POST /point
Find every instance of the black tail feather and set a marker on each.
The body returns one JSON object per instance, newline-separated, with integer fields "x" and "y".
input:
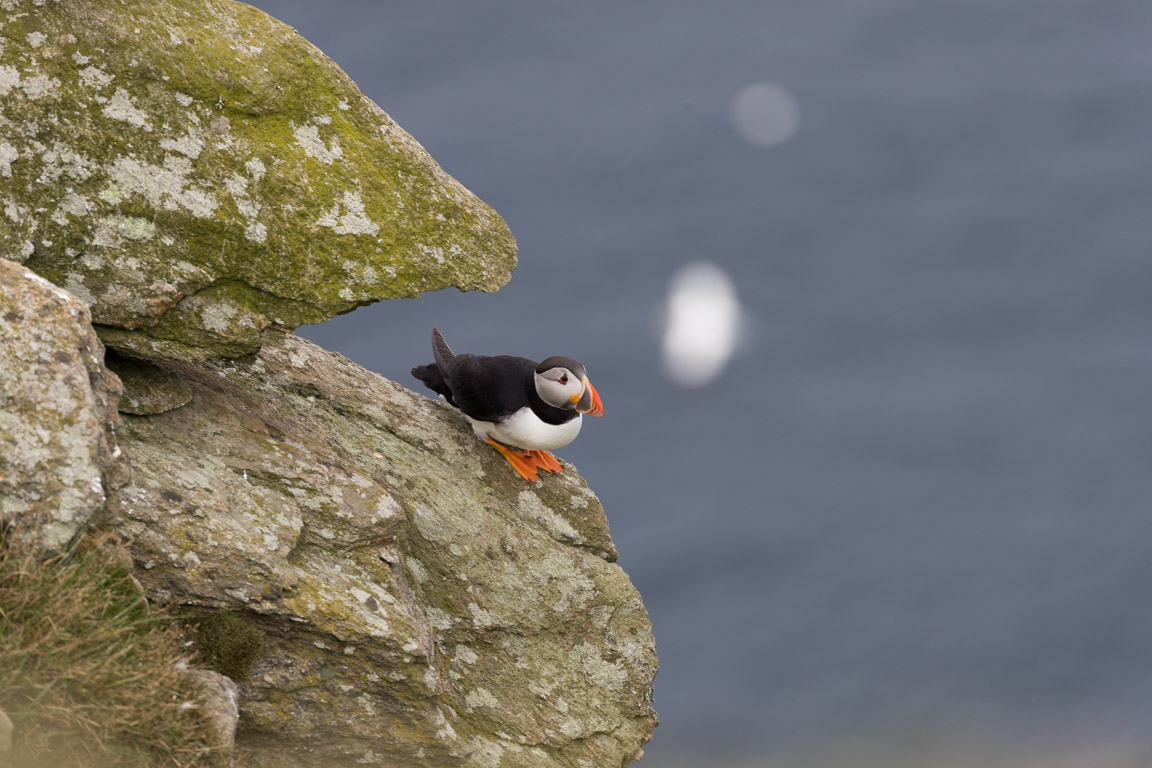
{"x": 443, "y": 353}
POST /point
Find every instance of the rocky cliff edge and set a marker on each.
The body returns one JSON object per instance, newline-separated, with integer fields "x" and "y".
{"x": 201, "y": 180}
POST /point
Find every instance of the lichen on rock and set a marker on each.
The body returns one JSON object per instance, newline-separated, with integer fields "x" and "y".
{"x": 419, "y": 603}
{"x": 59, "y": 452}
{"x": 196, "y": 173}
{"x": 196, "y": 180}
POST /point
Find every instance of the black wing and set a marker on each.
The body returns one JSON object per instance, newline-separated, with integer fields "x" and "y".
{"x": 490, "y": 388}
{"x": 485, "y": 388}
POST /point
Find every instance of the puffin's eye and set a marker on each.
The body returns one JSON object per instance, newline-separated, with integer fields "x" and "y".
{"x": 564, "y": 379}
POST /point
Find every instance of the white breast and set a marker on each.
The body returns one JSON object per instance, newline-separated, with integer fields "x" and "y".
{"x": 524, "y": 429}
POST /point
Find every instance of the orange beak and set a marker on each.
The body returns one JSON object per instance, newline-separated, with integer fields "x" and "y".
{"x": 590, "y": 401}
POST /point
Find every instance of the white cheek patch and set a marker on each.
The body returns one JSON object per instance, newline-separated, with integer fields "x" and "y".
{"x": 552, "y": 391}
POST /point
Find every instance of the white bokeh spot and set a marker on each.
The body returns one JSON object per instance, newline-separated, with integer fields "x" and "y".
{"x": 765, "y": 115}
{"x": 701, "y": 326}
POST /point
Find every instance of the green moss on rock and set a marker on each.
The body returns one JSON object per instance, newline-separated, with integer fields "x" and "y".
{"x": 228, "y": 644}
{"x": 159, "y": 157}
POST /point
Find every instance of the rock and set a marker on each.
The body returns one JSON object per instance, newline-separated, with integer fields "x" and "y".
{"x": 197, "y": 173}
{"x": 5, "y": 737}
{"x": 219, "y": 697}
{"x": 420, "y": 604}
{"x": 385, "y": 588}
{"x": 148, "y": 389}
{"x": 59, "y": 453}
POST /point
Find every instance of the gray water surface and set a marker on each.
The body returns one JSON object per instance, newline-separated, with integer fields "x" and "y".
{"x": 914, "y": 514}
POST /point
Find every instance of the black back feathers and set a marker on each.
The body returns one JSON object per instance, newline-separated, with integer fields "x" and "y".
{"x": 485, "y": 388}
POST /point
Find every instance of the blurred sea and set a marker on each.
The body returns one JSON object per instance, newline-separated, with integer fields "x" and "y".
{"x": 911, "y": 523}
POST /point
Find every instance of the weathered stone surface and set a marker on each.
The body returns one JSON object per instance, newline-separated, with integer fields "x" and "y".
{"x": 5, "y": 737}
{"x": 196, "y": 172}
{"x": 421, "y": 604}
{"x": 148, "y": 389}
{"x": 58, "y": 420}
{"x": 203, "y": 179}
{"x": 219, "y": 696}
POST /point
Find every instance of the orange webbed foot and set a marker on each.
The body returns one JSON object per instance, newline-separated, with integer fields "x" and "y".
{"x": 524, "y": 463}
{"x": 546, "y": 461}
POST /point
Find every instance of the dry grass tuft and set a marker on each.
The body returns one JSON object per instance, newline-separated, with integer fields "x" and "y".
{"x": 87, "y": 670}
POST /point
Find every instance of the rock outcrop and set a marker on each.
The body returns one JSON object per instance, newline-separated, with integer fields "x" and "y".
{"x": 219, "y": 697}
{"x": 59, "y": 454}
{"x": 196, "y": 172}
{"x": 204, "y": 181}
{"x": 421, "y": 604}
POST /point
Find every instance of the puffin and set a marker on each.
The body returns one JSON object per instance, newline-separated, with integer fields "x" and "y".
{"x": 522, "y": 408}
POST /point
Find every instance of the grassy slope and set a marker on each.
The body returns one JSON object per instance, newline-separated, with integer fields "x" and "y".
{"x": 87, "y": 671}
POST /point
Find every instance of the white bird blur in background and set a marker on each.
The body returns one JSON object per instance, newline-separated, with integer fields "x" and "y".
{"x": 702, "y": 324}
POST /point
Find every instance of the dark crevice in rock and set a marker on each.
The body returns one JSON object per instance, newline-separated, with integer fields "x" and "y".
{"x": 149, "y": 389}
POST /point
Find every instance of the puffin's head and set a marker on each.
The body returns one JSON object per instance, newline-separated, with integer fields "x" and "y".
{"x": 563, "y": 383}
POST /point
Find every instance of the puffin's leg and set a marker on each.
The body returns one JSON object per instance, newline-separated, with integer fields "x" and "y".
{"x": 547, "y": 461}
{"x": 521, "y": 463}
